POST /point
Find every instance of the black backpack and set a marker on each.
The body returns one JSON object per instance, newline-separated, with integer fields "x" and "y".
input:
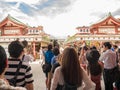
{"x": 66, "y": 86}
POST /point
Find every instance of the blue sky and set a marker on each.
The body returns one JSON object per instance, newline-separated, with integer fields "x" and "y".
{"x": 59, "y": 17}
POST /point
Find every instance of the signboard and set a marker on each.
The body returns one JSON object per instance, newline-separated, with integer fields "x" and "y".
{"x": 107, "y": 30}
{"x": 11, "y": 31}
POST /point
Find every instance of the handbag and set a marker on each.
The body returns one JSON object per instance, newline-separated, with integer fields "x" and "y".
{"x": 46, "y": 67}
{"x": 66, "y": 86}
{"x": 13, "y": 80}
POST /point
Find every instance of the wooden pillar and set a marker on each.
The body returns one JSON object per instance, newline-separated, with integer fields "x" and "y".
{"x": 116, "y": 29}
{"x": 34, "y": 53}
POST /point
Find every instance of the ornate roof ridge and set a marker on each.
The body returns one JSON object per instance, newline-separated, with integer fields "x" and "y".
{"x": 16, "y": 20}
{"x": 105, "y": 18}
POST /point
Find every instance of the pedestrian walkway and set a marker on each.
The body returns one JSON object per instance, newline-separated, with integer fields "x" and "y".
{"x": 38, "y": 75}
{"x": 36, "y": 62}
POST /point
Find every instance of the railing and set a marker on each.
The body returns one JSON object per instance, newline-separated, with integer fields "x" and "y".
{"x": 21, "y": 38}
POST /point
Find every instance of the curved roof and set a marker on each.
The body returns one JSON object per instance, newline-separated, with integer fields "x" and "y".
{"x": 13, "y": 20}
{"x": 105, "y": 19}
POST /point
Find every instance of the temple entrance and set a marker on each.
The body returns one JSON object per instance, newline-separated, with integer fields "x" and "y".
{"x": 35, "y": 48}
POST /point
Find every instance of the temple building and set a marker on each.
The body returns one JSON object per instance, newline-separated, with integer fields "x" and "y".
{"x": 107, "y": 29}
{"x": 12, "y": 29}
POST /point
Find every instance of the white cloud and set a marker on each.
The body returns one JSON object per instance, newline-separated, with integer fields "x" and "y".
{"x": 25, "y": 1}
{"x": 60, "y": 20}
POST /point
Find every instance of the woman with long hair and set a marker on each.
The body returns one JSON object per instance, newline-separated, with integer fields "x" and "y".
{"x": 70, "y": 72}
{"x": 94, "y": 67}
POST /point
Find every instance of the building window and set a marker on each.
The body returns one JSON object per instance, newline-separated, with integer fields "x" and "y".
{"x": 30, "y": 31}
{"x": 80, "y": 30}
{"x": 33, "y": 31}
{"x": 36, "y": 30}
{"x": 86, "y": 30}
{"x": 83, "y": 30}
{"x": 118, "y": 28}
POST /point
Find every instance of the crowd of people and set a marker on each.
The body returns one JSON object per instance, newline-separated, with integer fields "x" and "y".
{"x": 71, "y": 69}
{"x": 84, "y": 67}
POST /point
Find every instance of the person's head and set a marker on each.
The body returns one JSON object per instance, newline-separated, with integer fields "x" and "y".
{"x": 107, "y": 45}
{"x": 56, "y": 51}
{"x": 115, "y": 47}
{"x": 15, "y": 49}
{"x": 93, "y": 47}
{"x": 3, "y": 60}
{"x": 71, "y": 69}
{"x": 50, "y": 47}
{"x": 25, "y": 43}
{"x": 85, "y": 48}
{"x": 93, "y": 56}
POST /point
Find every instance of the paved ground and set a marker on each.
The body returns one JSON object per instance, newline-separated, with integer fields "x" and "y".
{"x": 39, "y": 77}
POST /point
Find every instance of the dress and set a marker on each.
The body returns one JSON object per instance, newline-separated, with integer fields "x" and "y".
{"x": 96, "y": 80}
{"x": 58, "y": 79}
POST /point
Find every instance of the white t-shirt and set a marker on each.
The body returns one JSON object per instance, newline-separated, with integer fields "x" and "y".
{"x": 58, "y": 79}
{"x": 28, "y": 58}
{"x": 109, "y": 59}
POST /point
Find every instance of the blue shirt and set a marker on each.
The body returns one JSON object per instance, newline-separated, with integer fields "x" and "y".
{"x": 53, "y": 60}
{"x": 48, "y": 56}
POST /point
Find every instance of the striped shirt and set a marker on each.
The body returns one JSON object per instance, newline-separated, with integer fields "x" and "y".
{"x": 24, "y": 76}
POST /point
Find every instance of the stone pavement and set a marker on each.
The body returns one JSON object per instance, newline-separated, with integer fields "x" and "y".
{"x": 39, "y": 76}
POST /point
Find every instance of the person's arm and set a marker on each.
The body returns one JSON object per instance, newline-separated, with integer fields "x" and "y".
{"x": 101, "y": 59}
{"x": 6, "y": 86}
{"x": 29, "y": 86}
{"x": 81, "y": 56}
{"x": 89, "y": 85}
{"x": 101, "y": 64}
{"x": 52, "y": 60}
{"x": 55, "y": 79}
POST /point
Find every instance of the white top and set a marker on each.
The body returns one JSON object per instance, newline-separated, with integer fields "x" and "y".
{"x": 58, "y": 79}
{"x": 5, "y": 86}
{"x": 109, "y": 59}
{"x": 28, "y": 58}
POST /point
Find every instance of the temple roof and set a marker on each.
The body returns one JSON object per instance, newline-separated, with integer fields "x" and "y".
{"x": 13, "y": 20}
{"x": 105, "y": 19}
{"x": 82, "y": 27}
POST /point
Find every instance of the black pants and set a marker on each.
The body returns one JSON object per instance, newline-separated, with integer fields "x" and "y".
{"x": 108, "y": 75}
